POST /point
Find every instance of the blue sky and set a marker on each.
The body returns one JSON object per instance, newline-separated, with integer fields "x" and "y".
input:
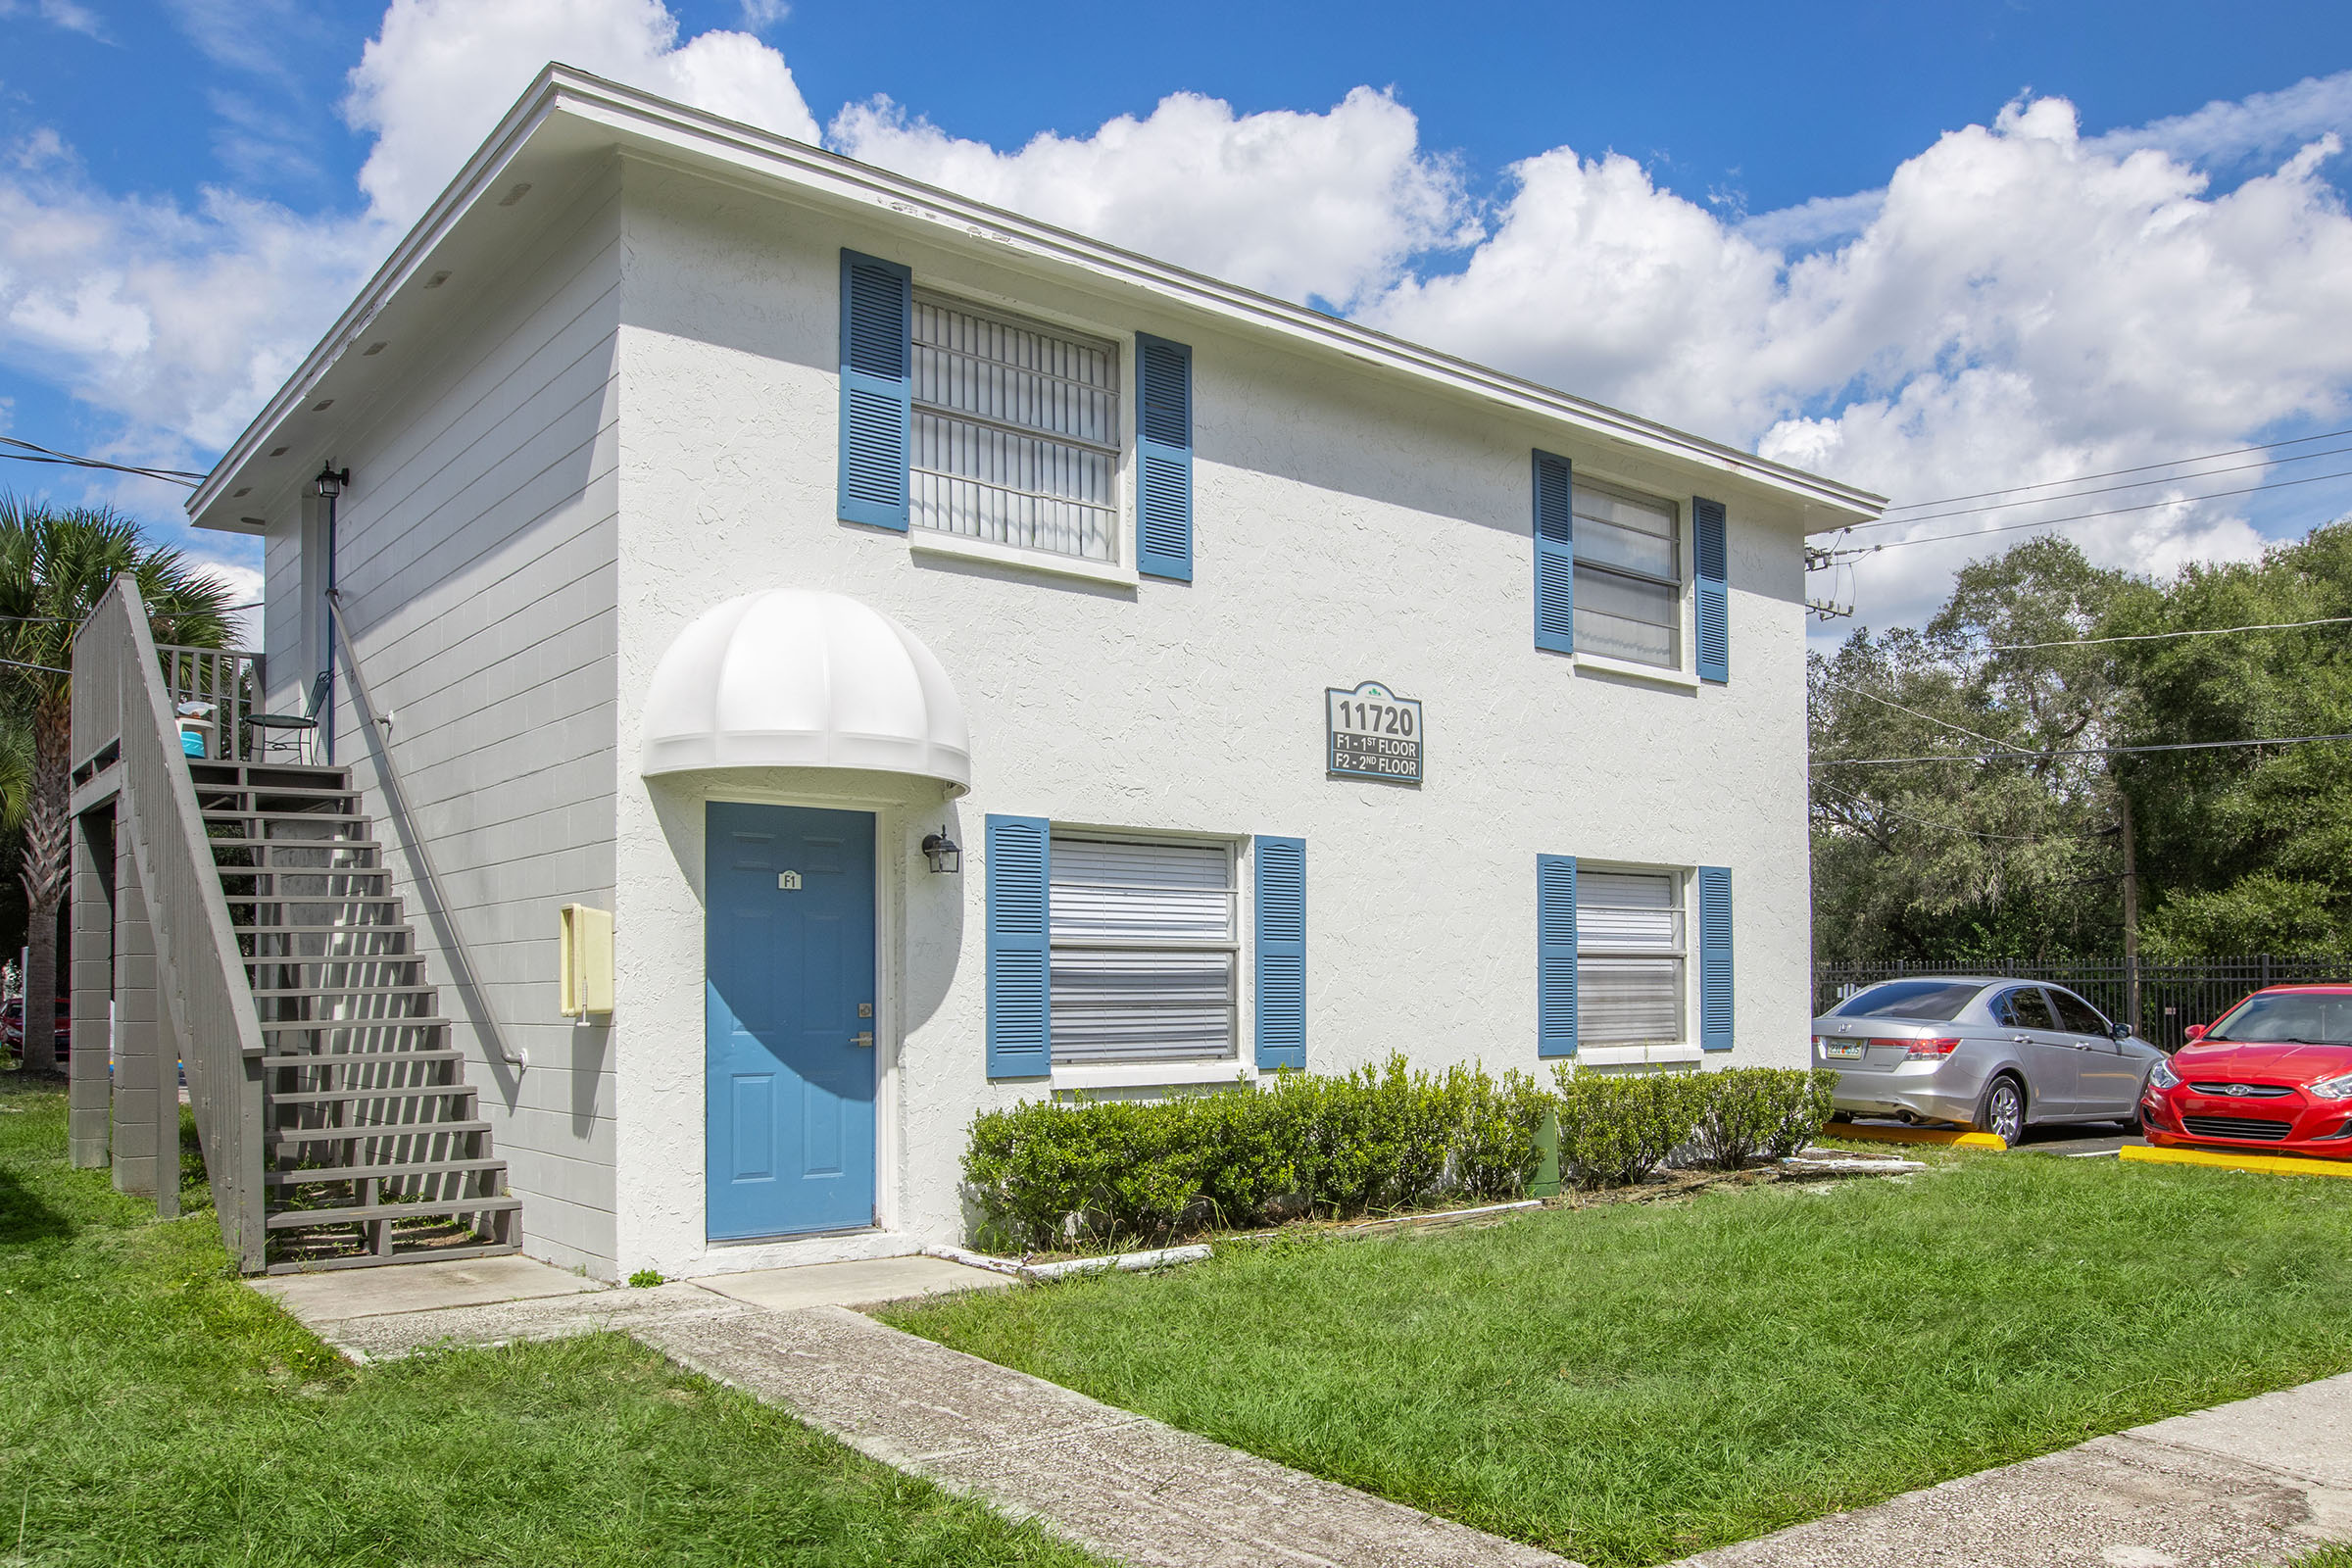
{"x": 210, "y": 143}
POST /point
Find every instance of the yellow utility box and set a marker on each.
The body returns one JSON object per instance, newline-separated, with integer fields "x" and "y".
{"x": 586, "y": 978}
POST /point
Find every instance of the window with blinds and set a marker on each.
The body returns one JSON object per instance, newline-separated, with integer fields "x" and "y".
{"x": 1144, "y": 951}
{"x": 1628, "y": 957}
{"x": 1629, "y": 577}
{"x": 1016, "y": 432}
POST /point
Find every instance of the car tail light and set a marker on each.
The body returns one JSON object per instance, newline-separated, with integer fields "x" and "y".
{"x": 1923, "y": 1049}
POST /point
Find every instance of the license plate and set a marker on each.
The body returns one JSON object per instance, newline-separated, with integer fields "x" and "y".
{"x": 1842, "y": 1049}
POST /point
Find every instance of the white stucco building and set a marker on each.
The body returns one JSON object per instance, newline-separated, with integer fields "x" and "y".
{"x": 725, "y": 519}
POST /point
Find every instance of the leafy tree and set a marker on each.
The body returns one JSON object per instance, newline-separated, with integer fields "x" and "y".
{"x": 55, "y": 565}
{"x": 2245, "y": 849}
{"x": 1971, "y": 859}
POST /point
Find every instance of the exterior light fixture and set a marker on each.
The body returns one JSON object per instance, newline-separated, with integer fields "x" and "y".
{"x": 941, "y": 850}
{"x": 330, "y": 483}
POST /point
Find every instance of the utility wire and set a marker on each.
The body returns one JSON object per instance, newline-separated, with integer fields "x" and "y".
{"x": 2005, "y": 838}
{"x": 2153, "y": 636}
{"x": 1835, "y": 553}
{"x": 2111, "y": 473}
{"x": 1844, "y": 686}
{"x": 2137, "y": 484}
{"x": 2087, "y": 751}
{"x": 40, "y": 454}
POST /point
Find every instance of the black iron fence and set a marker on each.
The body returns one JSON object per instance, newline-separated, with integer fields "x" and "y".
{"x": 2171, "y": 995}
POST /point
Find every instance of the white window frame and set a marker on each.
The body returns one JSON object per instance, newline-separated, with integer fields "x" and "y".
{"x": 1121, "y": 570}
{"x": 1685, "y": 670}
{"x": 1161, "y": 1071}
{"x": 1684, "y": 1046}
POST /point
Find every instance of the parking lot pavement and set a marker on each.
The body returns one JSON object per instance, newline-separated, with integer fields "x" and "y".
{"x": 2097, "y": 1138}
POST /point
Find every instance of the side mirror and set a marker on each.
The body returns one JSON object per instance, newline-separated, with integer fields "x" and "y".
{"x": 2119, "y": 1030}
{"x": 2195, "y": 1032}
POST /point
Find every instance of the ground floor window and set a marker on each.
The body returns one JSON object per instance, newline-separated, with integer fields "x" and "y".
{"x": 1628, "y": 957}
{"x": 1144, "y": 951}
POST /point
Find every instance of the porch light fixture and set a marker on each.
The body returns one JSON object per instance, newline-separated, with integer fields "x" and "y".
{"x": 330, "y": 483}
{"x": 941, "y": 850}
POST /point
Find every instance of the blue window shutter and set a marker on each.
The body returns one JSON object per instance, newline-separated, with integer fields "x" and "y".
{"x": 1714, "y": 592}
{"x": 1555, "y": 560}
{"x": 1280, "y": 902}
{"x": 1714, "y": 958}
{"x": 1019, "y": 957}
{"x": 1163, "y": 485}
{"x": 877, "y": 321}
{"x": 1556, "y": 955}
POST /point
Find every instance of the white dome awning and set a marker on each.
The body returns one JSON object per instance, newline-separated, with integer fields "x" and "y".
{"x": 800, "y": 678}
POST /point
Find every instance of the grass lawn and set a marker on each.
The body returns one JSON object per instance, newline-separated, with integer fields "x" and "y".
{"x": 1632, "y": 1383}
{"x": 154, "y": 1411}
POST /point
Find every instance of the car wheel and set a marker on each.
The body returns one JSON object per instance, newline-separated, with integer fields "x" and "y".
{"x": 2004, "y": 1114}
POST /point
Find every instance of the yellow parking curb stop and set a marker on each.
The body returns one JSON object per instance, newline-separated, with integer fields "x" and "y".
{"x": 1913, "y": 1135}
{"x": 2277, "y": 1164}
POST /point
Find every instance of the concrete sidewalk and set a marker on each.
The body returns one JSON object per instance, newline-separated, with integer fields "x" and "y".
{"x": 2255, "y": 1483}
{"x": 1123, "y": 1486}
{"x": 2241, "y": 1486}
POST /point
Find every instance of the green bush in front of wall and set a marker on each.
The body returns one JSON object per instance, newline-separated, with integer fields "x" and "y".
{"x": 1618, "y": 1130}
{"x": 1048, "y": 1175}
{"x": 1767, "y": 1112}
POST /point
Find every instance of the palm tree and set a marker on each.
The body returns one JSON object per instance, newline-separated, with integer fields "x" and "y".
{"x": 55, "y": 565}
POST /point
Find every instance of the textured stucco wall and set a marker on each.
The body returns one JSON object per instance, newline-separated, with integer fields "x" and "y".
{"x": 1348, "y": 526}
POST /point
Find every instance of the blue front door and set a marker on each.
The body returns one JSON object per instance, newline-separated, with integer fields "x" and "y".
{"x": 789, "y": 1020}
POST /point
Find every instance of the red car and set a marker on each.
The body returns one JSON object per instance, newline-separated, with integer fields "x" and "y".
{"x": 2274, "y": 1073}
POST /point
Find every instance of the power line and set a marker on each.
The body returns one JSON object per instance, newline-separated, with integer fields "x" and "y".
{"x": 41, "y": 454}
{"x": 1915, "y": 713}
{"x": 2153, "y": 636}
{"x": 2137, "y": 484}
{"x": 2080, "y": 517}
{"x": 2111, "y": 473}
{"x": 2087, "y": 751}
{"x": 2005, "y": 838}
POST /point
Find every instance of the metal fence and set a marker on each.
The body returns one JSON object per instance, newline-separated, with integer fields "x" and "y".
{"x": 2171, "y": 995}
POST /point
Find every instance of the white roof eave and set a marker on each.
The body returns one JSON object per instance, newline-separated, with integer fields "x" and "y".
{"x": 659, "y": 126}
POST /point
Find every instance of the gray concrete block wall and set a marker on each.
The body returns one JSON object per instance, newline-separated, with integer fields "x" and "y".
{"x": 476, "y": 559}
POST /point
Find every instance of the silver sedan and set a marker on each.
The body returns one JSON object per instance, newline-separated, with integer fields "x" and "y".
{"x": 1996, "y": 1054}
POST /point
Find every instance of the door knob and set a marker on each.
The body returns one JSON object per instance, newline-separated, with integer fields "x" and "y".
{"x": 863, "y": 1038}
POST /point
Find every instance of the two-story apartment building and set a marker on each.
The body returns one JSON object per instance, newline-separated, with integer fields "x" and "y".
{"x": 970, "y": 662}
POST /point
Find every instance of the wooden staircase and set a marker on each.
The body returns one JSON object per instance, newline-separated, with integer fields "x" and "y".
{"x": 375, "y": 1151}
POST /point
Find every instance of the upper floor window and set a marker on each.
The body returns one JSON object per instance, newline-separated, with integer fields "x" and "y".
{"x": 1016, "y": 432}
{"x": 1629, "y": 577}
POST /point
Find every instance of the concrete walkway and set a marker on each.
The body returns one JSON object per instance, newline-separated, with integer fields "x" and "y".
{"x": 2258, "y": 1482}
{"x": 1120, "y": 1485}
{"x": 2255, "y": 1483}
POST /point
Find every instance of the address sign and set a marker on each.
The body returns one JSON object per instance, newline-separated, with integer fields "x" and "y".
{"x": 1373, "y": 733}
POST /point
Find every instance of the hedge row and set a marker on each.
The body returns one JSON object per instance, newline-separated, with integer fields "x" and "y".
{"x": 1052, "y": 1174}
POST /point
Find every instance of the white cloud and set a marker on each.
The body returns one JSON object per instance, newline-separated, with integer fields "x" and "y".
{"x": 761, "y": 15}
{"x": 439, "y": 74}
{"x": 1300, "y": 205}
{"x": 2268, "y": 124}
{"x": 65, "y": 13}
{"x": 2018, "y": 304}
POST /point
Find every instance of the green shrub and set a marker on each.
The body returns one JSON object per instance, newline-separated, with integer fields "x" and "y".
{"x": 1615, "y": 1131}
{"x": 1380, "y": 1139}
{"x": 1747, "y": 1112}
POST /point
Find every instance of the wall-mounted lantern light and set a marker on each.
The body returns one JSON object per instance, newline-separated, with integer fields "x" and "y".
{"x": 330, "y": 483}
{"x": 941, "y": 850}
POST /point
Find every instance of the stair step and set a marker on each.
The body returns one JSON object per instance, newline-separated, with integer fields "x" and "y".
{"x": 278, "y": 992}
{"x": 295, "y": 1218}
{"x": 435, "y": 1255}
{"x": 373, "y": 1132}
{"x": 434, "y": 1020}
{"x": 353, "y": 1173}
{"x": 216, "y": 813}
{"x": 267, "y": 844}
{"x": 361, "y": 1058}
{"x": 375, "y": 929}
{"x": 353, "y": 1096}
